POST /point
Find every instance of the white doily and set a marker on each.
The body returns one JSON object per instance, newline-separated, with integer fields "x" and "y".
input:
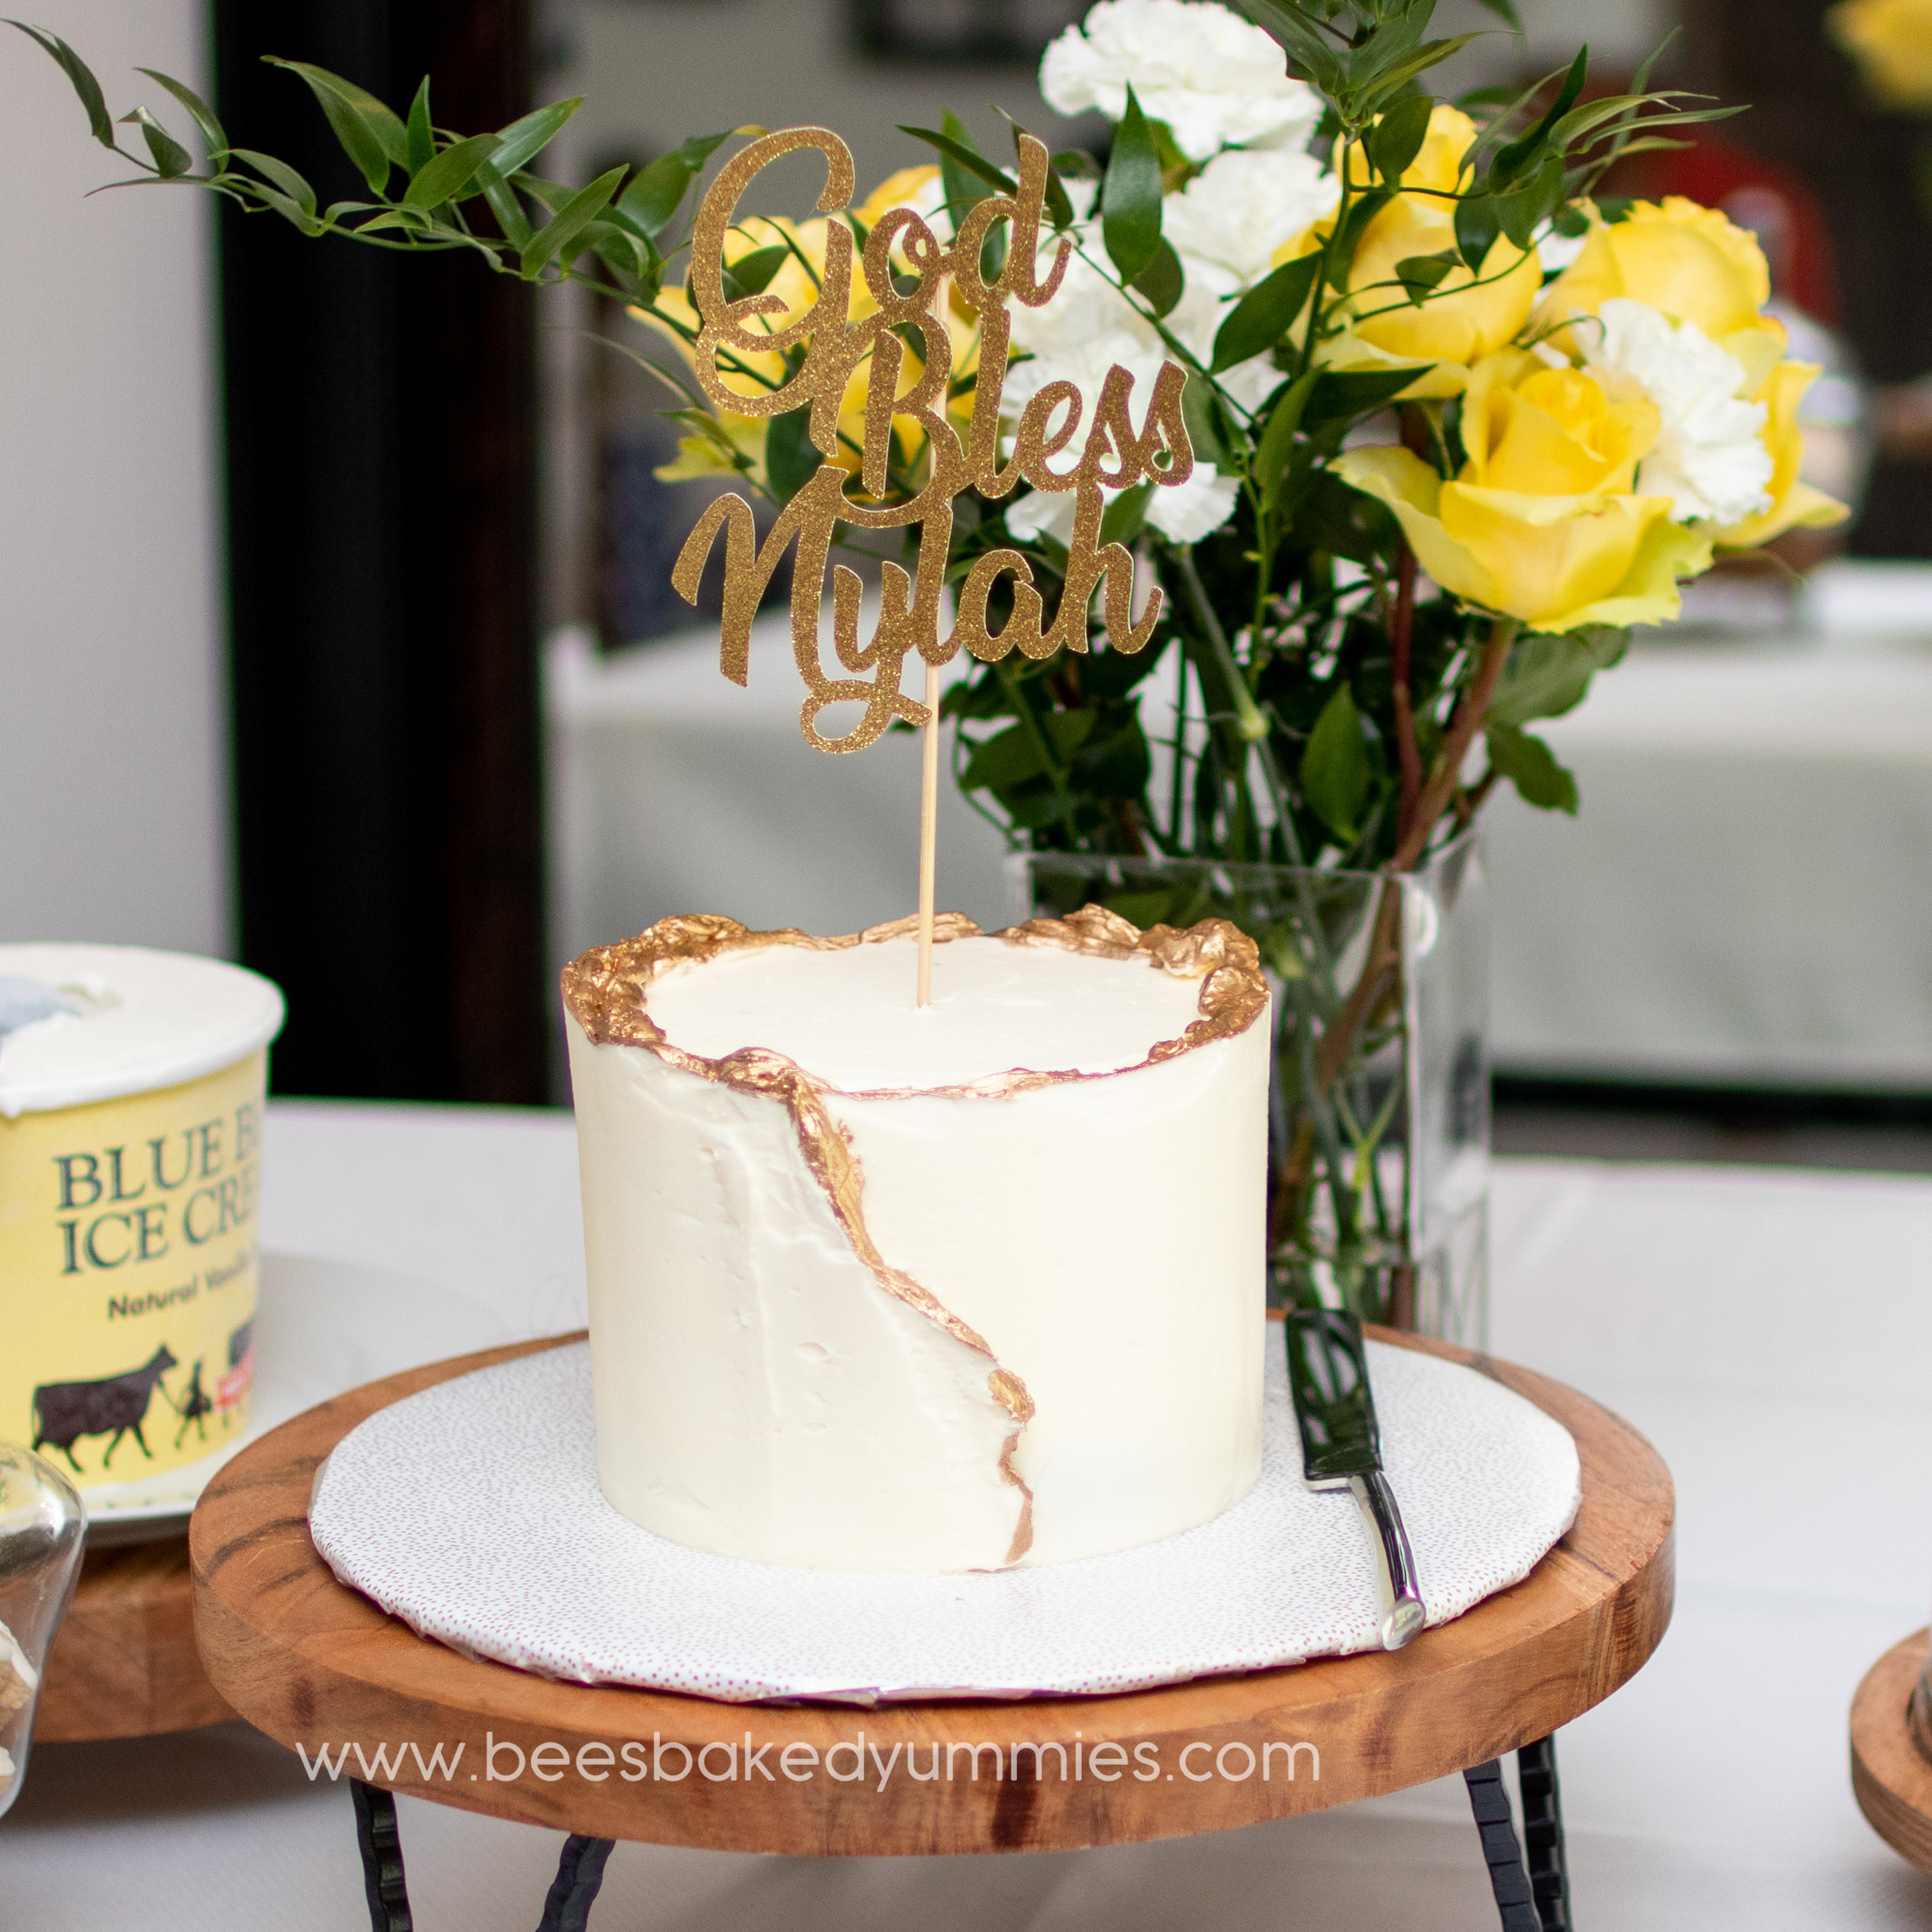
{"x": 472, "y": 1513}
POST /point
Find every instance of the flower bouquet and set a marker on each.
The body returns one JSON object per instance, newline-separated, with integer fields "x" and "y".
{"x": 1456, "y": 422}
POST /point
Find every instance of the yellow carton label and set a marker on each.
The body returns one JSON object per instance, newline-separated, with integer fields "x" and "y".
{"x": 128, "y": 1236}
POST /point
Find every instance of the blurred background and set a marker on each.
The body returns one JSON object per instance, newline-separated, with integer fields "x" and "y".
{"x": 336, "y": 634}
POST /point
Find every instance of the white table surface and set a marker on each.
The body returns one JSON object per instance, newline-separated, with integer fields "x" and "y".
{"x": 1770, "y": 1331}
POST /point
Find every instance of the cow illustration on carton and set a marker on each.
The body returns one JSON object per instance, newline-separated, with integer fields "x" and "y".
{"x": 63, "y": 1411}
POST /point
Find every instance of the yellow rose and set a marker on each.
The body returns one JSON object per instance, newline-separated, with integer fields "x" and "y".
{"x": 1676, "y": 255}
{"x": 1891, "y": 40}
{"x": 1794, "y": 504}
{"x": 796, "y": 283}
{"x": 1691, "y": 263}
{"x": 1467, "y": 316}
{"x": 1541, "y": 523}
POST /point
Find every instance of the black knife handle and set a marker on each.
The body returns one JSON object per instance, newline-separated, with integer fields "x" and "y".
{"x": 1406, "y": 1616}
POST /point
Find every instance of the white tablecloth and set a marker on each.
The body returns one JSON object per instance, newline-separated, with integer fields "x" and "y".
{"x": 1746, "y": 893}
{"x": 1745, "y": 898}
{"x": 1770, "y": 1331}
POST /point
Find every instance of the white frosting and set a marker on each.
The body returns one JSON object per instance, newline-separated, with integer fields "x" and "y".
{"x": 132, "y": 1020}
{"x": 760, "y": 1394}
{"x": 849, "y": 1017}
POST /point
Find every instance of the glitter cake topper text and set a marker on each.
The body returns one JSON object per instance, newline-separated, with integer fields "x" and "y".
{"x": 829, "y": 344}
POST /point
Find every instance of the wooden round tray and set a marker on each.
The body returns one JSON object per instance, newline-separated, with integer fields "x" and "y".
{"x": 318, "y": 1665}
{"x": 1893, "y": 1783}
{"x": 123, "y": 1663}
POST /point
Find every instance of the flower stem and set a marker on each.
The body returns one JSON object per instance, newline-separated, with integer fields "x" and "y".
{"x": 1463, "y": 727}
{"x": 1401, "y": 630}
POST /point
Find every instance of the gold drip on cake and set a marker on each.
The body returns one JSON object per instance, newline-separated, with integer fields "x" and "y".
{"x": 606, "y": 991}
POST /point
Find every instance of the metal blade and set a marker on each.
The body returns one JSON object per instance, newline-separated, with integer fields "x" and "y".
{"x": 1328, "y": 1375}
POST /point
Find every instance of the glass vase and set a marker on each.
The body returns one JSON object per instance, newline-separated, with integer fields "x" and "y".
{"x": 42, "y": 1529}
{"x": 1379, "y": 1115}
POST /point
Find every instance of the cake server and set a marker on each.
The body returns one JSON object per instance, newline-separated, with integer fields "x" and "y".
{"x": 1342, "y": 1448}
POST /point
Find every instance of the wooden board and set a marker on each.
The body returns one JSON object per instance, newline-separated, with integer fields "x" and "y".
{"x": 1893, "y": 1783}
{"x": 314, "y": 1664}
{"x": 123, "y": 1663}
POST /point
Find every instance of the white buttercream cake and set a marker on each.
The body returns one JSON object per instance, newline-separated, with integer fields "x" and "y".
{"x": 880, "y": 1287}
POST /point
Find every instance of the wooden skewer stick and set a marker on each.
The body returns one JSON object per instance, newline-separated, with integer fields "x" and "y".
{"x": 928, "y": 832}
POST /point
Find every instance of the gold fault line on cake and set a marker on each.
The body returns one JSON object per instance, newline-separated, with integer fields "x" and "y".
{"x": 1101, "y": 1760}
{"x": 606, "y": 991}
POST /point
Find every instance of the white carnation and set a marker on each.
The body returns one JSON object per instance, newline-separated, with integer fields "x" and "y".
{"x": 1227, "y": 223}
{"x": 1214, "y": 78}
{"x": 1192, "y": 510}
{"x": 1183, "y": 514}
{"x": 1710, "y": 458}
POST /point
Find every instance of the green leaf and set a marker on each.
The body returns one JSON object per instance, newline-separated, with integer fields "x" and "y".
{"x": 1420, "y": 275}
{"x": 695, "y": 150}
{"x": 1393, "y": 39}
{"x": 1478, "y": 222}
{"x": 289, "y": 210}
{"x": 79, "y": 73}
{"x": 1335, "y": 767}
{"x": 1162, "y": 281}
{"x": 1059, "y": 205}
{"x": 1266, "y": 313}
{"x": 418, "y": 130}
{"x": 1341, "y": 394}
{"x": 969, "y": 158}
{"x": 552, "y": 195}
{"x": 1346, "y": 522}
{"x": 1016, "y": 754}
{"x": 1396, "y": 138}
{"x": 1130, "y": 195}
{"x": 1504, "y": 10}
{"x": 369, "y": 132}
{"x": 203, "y": 115}
{"x": 1365, "y": 210}
{"x": 1387, "y": 85}
{"x": 653, "y": 200}
{"x": 1277, "y": 445}
{"x": 284, "y": 177}
{"x": 452, "y": 175}
{"x": 791, "y": 457}
{"x": 525, "y": 138}
{"x": 957, "y": 179}
{"x": 1509, "y": 159}
{"x": 1531, "y": 766}
{"x": 1591, "y": 116}
{"x": 504, "y": 205}
{"x": 1526, "y": 210}
{"x": 1121, "y": 521}
{"x": 753, "y": 272}
{"x": 172, "y": 159}
{"x": 1207, "y": 430}
{"x": 568, "y": 222}
{"x": 1317, "y": 60}
{"x": 1548, "y": 675}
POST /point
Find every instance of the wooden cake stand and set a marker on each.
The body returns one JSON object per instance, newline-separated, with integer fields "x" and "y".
{"x": 1892, "y": 1781}
{"x": 312, "y": 1663}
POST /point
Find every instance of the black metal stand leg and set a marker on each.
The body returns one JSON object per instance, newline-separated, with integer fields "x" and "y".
{"x": 1542, "y": 1831}
{"x": 382, "y": 1848}
{"x": 1489, "y": 1799}
{"x": 1536, "y": 1899}
{"x": 580, "y": 1872}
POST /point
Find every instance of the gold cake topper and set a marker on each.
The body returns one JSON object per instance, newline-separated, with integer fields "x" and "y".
{"x": 824, "y": 347}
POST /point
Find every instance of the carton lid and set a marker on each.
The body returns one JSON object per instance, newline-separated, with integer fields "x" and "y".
{"x": 83, "y": 1023}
